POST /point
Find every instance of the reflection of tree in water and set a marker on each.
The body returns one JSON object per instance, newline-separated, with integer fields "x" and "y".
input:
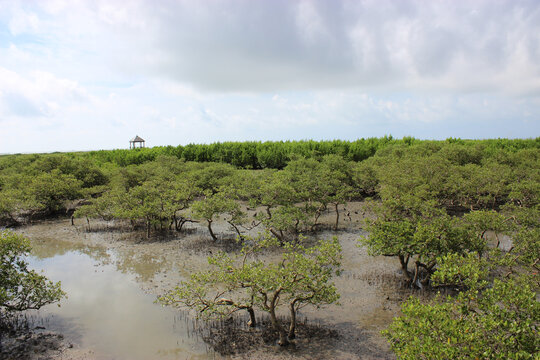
{"x": 49, "y": 247}
{"x": 144, "y": 266}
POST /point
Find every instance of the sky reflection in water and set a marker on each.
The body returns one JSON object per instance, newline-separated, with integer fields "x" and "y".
{"x": 107, "y": 312}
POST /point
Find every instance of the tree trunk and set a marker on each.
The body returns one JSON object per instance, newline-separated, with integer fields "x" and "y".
{"x": 283, "y": 341}
{"x": 252, "y": 321}
{"x": 179, "y": 223}
{"x": 416, "y": 271}
{"x": 292, "y": 327}
{"x": 404, "y": 266}
{"x": 237, "y": 230}
{"x": 429, "y": 270}
{"x": 148, "y": 228}
{"x": 277, "y": 235}
{"x": 316, "y": 220}
{"x": 182, "y": 222}
{"x": 337, "y": 216}
{"x": 210, "y": 230}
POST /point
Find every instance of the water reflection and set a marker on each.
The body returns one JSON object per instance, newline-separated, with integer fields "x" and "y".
{"x": 47, "y": 247}
{"x": 107, "y": 312}
{"x": 129, "y": 261}
{"x": 145, "y": 266}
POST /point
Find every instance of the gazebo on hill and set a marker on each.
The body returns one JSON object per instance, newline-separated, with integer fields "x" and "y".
{"x": 136, "y": 140}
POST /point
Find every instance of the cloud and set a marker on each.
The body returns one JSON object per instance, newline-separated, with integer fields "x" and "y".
{"x": 268, "y": 46}
{"x": 38, "y": 94}
{"x": 259, "y": 45}
{"x": 22, "y": 22}
{"x": 178, "y": 71}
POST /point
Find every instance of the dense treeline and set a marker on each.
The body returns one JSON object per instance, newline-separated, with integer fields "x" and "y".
{"x": 276, "y": 155}
{"x": 457, "y": 175}
{"x": 440, "y": 208}
{"x": 250, "y": 155}
{"x": 264, "y": 155}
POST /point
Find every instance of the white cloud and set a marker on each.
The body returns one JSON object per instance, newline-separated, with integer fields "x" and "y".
{"x": 37, "y": 94}
{"x": 311, "y": 44}
{"x": 183, "y": 71}
{"x": 310, "y": 22}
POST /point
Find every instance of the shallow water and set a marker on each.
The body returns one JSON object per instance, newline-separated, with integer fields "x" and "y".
{"x": 107, "y": 312}
{"x": 112, "y": 278}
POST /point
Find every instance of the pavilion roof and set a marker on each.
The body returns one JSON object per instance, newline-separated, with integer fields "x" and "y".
{"x": 137, "y": 138}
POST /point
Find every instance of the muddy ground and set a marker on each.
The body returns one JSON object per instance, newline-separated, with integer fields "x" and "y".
{"x": 371, "y": 287}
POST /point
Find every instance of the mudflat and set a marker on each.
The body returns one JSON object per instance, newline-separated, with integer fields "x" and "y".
{"x": 370, "y": 287}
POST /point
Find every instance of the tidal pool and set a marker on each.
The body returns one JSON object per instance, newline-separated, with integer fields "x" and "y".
{"x": 106, "y": 311}
{"x": 112, "y": 278}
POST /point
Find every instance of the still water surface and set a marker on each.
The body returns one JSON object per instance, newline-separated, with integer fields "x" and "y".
{"x": 107, "y": 312}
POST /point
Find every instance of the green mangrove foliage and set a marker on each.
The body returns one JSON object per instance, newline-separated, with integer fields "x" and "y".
{"x": 418, "y": 238}
{"x": 459, "y": 174}
{"x": 447, "y": 212}
{"x": 499, "y": 324}
{"x": 302, "y": 276}
{"x": 487, "y": 319}
{"x": 153, "y": 194}
{"x": 213, "y": 205}
{"x": 250, "y": 155}
{"x": 460, "y": 215}
{"x": 22, "y": 288}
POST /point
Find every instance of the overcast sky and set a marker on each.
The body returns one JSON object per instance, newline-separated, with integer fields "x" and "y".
{"x": 88, "y": 75}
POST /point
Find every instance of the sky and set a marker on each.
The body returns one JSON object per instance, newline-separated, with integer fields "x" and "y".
{"x": 90, "y": 75}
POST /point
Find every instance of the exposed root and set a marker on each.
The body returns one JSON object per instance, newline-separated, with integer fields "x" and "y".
{"x": 233, "y": 336}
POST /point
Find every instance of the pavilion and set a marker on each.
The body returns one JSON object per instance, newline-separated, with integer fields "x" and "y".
{"x": 136, "y": 140}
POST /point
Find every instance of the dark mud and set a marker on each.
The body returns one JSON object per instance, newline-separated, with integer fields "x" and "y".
{"x": 233, "y": 337}
{"x": 21, "y": 339}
